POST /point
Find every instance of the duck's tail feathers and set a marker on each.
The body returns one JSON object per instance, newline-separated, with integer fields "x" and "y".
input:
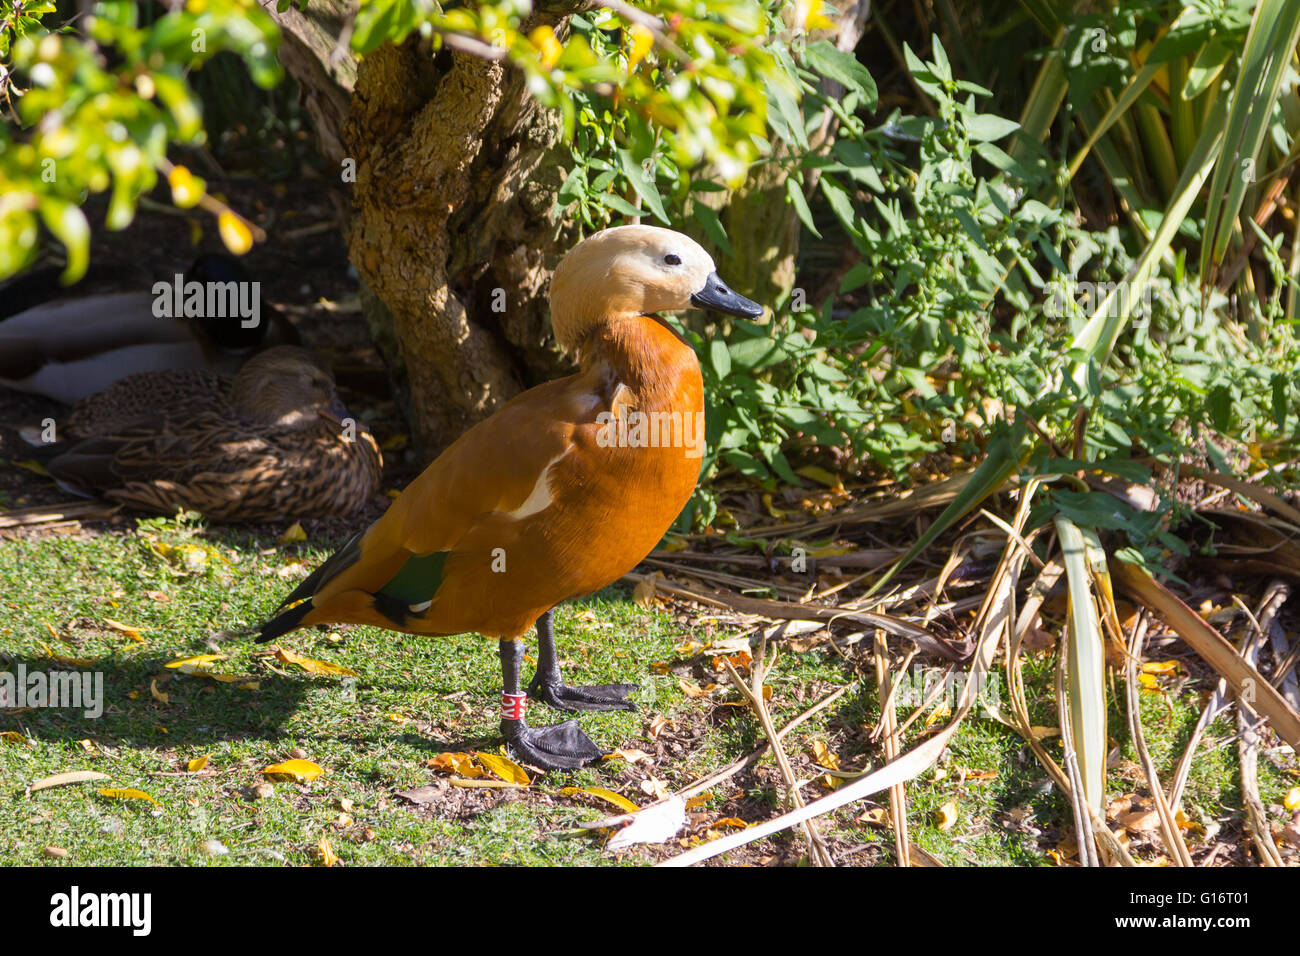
{"x": 341, "y": 559}
{"x": 284, "y": 622}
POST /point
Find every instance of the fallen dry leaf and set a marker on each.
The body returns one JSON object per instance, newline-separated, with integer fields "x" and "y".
{"x": 130, "y": 631}
{"x": 609, "y": 796}
{"x": 198, "y": 763}
{"x": 462, "y": 765}
{"x": 61, "y": 779}
{"x": 292, "y": 534}
{"x": 300, "y": 770}
{"x": 946, "y": 816}
{"x": 823, "y": 756}
{"x": 189, "y": 665}
{"x": 126, "y": 793}
{"x": 644, "y": 592}
{"x": 631, "y": 755}
{"x": 325, "y": 853}
{"x": 312, "y": 666}
{"x": 504, "y": 768}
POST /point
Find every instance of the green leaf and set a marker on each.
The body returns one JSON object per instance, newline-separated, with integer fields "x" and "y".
{"x": 69, "y": 225}
{"x": 720, "y": 358}
{"x": 987, "y": 127}
{"x": 825, "y": 59}
{"x": 794, "y": 190}
{"x": 712, "y": 226}
{"x": 644, "y": 186}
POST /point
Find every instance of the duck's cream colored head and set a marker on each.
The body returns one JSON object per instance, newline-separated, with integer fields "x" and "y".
{"x": 286, "y": 386}
{"x": 635, "y": 270}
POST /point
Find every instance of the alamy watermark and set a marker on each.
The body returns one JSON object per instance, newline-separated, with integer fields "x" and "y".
{"x": 652, "y": 430}
{"x": 78, "y": 690}
{"x": 936, "y": 688}
{"x": 214, "y": 300}
{"x": 1087, "y": 296}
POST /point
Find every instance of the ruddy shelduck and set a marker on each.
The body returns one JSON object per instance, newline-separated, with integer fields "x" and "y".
{"x": 558, "y": 494}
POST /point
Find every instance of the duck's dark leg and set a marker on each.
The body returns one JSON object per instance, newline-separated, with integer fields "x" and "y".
{"x": 548, "y": 684}
{"x": 561, "y": 747}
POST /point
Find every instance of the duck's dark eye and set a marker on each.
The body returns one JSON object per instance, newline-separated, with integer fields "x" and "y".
{"x": 673, "y": 260}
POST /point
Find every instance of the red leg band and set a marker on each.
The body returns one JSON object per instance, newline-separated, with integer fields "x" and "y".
{"x": 513, "y": 706}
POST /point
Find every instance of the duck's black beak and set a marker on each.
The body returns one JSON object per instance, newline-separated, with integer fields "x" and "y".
{"x": 719, "y": 297}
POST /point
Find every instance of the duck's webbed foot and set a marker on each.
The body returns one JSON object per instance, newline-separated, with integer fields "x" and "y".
{"x": 590, "y": 697}
{"x": 558, "y": 747}
{"x": 548, "y": 684}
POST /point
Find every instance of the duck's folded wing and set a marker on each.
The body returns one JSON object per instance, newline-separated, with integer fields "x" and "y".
{"x": 499, "y": 468}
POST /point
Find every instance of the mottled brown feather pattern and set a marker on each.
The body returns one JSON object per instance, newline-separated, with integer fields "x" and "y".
{"x": 268, "y": 444}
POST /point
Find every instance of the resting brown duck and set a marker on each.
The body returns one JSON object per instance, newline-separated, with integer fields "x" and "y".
{"x": 275, "y": 441}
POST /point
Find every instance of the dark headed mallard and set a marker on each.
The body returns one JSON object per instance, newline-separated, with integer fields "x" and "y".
{"x": 275, "y": 441}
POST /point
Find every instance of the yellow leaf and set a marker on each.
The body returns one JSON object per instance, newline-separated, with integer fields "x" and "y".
{"x": 235, "y": 232}
{"x": 88, "y": 746}
{"x": 300, "y": 770}
{"x": 829, "y": 782}
{"x": 220, "y": 678}
{"x": 187, "y": 189}
{"x": 543, "y": 38}
{"x": 12, "y": 737}
{"x": 132, "y": 632}
{"x": 157, "y": 694}
{"x": 632, "y": 755}
{"x": 126, "y": 793}
{"x": 813, "y": 18}
{"x": 821, "y": 476}
{"x": 64, "y": 659}
{"x": 32, "y": 465}
{"x": 198, "y": 763}
{"x": 699, "y": 800}
{"x": 691, "y": 689}
{"x": 312, "y": 666}
{"x": 1042, "y": 733}
{"x": 1292, "y": 799}
{"x": 642, "y": 41}
{"x": 945, "y": 816}
{"x": 1160, "y": 667}
{"x": 876, "y": 817}
{"x": 327, "y": 855}
{"x": 462, "y": 765}
{"x": 293, "y": 534}
{"x": 731, "y": 822}
{"x": 62, "y": 779}
{"x": 609, "y": 796}
{"x": 503, "y": 768}
{"x": 672, "y": 543}
{"x": 824, "y": 757}
{"x": 251, "y": 685}
{"x": 189, "y": 665}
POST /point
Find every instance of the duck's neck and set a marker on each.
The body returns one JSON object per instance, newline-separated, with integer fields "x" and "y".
{"x": 647, "y": 357}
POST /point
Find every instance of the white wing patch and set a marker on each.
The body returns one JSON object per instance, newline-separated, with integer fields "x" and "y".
{"x": 539, "y": 499}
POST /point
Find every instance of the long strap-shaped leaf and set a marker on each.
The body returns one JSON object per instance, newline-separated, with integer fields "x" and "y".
{"x": 1085, "y": 684}
{"x": 1097, "y": 338}
{"x": 1264, "y": 60}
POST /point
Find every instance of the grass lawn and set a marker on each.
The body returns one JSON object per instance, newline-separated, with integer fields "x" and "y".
{"x": 177, "y": 583}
